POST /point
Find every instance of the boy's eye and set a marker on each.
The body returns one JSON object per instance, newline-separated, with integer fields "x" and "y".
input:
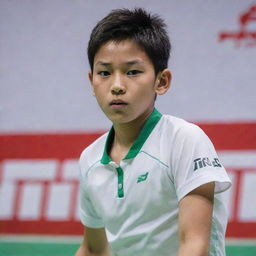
{"x": 103, "y": 73}
{"x": 133, "y": 72}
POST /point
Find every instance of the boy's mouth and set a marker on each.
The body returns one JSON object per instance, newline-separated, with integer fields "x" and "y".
{"x": 118, "y": 104}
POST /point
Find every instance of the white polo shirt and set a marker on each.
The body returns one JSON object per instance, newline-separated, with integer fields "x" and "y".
{"x": 137, "y": 201}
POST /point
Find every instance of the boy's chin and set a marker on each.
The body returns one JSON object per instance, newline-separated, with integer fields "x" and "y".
{"x": 118, "y": 119}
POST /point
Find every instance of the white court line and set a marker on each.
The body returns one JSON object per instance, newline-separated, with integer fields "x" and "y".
{"x": 41, "y": 239}
{"x": 78, "y": 239}
{"x": 240, "y": 241}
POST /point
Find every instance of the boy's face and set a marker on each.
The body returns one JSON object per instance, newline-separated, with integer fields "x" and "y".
{"x": 124, "y": 81}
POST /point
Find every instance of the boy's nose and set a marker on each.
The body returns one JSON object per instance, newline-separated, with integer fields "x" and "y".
{"x": 115, "y": 90}
{"x": 117, "y": 86}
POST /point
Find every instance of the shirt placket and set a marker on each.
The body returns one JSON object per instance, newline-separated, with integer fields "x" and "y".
{"x": 120, "y": 179}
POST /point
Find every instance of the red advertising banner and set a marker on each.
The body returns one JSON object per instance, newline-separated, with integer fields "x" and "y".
{"x": 39, "y": 179}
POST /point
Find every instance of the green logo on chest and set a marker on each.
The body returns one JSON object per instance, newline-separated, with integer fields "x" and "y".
{"x": 142, "y": 177}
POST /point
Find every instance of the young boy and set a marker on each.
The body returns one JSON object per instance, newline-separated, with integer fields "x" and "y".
{"x": 149, "y": 186}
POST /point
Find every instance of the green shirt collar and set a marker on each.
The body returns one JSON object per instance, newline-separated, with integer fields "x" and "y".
{"x": 138, "y": 143}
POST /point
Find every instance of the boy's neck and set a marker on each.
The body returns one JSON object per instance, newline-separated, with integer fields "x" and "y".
{"x": 125, "y": 135}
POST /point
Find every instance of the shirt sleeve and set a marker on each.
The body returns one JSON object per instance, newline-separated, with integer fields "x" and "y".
{"x": 195, "y": 162}
{"x": 87, "y": 212}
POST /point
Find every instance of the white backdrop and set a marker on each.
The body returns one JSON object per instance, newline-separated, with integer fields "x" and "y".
{"x": 43, "y": 63}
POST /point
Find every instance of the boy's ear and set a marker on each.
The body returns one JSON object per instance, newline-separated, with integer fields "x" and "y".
{"x": 90, "y": 79}
{"x": 163, "y": 81}
{"x": 90, "y": 76}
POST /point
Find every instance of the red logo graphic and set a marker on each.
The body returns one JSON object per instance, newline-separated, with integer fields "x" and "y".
{"x": 244, "y": 34}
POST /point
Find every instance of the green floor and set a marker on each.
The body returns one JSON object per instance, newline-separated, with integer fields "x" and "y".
{"x": 58, "y": 249}
{"x": 36, "y": 249}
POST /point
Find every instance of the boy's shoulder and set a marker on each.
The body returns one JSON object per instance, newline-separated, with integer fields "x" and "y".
{"x": 180, "y": 127}
{"x": 173, "y": 135}
{"x": 176, "y": 133}
{"x": 94, "y": 151}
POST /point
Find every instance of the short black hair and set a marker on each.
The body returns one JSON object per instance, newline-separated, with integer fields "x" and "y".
{"x": 148, "y": 31}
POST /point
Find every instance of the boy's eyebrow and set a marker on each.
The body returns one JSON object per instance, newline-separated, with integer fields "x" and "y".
{"x": 130, "y": 63}
{"x": 102, "y": 63}
{"x": 133, "y": 62}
